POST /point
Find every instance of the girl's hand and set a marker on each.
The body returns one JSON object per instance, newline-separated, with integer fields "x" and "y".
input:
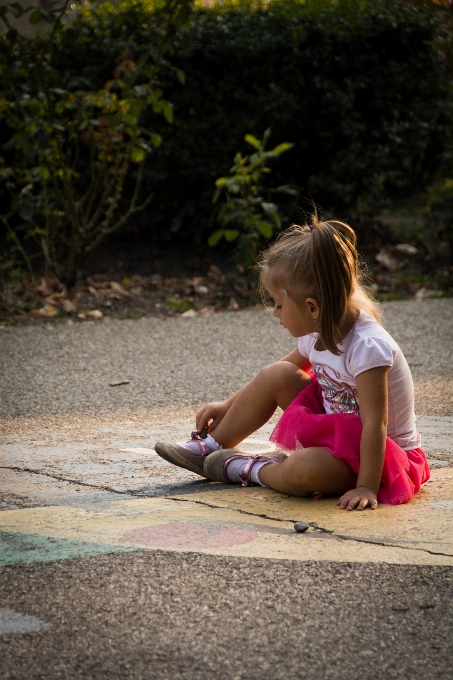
{"x": 211, "y": 413}
{"x": 358, "y": 498}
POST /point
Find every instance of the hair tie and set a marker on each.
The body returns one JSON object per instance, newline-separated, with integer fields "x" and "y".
{"x": 311, "y": 227}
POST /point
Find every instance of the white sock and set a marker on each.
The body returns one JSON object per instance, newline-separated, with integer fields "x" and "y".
{"x": 195, "y": 448}
{"x": 236, "y": 466}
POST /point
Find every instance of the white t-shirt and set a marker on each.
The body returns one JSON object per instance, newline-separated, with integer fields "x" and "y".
{"x": 367, "y": 345}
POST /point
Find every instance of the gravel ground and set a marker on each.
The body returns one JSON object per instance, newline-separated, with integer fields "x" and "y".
{"x": 174, "y": 363}
{"x": 166, "y": 616}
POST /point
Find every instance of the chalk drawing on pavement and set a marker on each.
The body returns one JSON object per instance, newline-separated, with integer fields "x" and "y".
{"x": 11, "y": 622}
{"x": 182, "y": 535}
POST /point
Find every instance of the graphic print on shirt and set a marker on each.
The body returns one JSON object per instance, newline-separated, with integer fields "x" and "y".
{"x": 341, "y": 397}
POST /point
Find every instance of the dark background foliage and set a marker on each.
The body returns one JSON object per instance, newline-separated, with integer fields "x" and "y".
{"x": 362, "y": 101}
{"x": 357, "y": 86}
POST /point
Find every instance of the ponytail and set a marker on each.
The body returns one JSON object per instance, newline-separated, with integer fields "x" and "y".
{"x": 334, "y": 268}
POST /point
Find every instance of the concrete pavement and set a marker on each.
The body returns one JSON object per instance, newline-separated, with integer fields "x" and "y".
{"x": 123, "y": 566}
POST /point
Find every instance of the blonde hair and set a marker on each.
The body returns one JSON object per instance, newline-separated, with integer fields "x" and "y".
{"x": 320, "y": 261}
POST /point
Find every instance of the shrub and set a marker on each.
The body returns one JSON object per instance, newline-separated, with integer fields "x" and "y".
{"x": 356, "y": 85}
{"x": 248, "y": 215}
{"x": 78, "y": 154}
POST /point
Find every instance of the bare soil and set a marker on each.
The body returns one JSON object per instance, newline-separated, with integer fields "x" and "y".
{"x": 130, "y": 279}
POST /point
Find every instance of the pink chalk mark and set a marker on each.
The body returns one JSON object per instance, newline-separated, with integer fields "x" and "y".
{"x": 176, "y": 535}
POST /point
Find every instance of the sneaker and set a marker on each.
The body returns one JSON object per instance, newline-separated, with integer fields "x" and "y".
{"x": 184, "y": 458}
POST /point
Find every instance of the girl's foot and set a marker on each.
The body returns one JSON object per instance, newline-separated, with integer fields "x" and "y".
{"x": 230, "y": 467}
{"x": 189, "y": 456}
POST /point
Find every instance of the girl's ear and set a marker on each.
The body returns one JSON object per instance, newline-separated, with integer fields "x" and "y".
{"x": 313, "y": 308}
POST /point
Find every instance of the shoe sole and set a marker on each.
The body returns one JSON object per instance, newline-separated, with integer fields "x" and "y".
{"x": 174, "y": 454}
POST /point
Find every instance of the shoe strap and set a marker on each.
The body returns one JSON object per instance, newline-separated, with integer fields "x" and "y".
{"x": 227, "y": 463}
{"x": 245, "y": 476}
{"x": 195, "y": 437}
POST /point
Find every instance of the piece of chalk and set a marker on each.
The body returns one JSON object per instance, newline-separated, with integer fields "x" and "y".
{"x": 300, "y": 527}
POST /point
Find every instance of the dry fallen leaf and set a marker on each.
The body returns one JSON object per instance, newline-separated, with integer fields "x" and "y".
{"x": 94, "y": 314}
{"x": 69, "y": 307}
{"x": 55, "y": 298}
{"x": 406, "y": 249}
{"x": 45, "y": 312}
{"x": 233, "y": 306}
{"x": 44, "y": 288}
{"x": 387, "y": 260}
{"x": 427, "y": 293}
{"x": 201, "y": 290}
{"x": 118, "y": 288}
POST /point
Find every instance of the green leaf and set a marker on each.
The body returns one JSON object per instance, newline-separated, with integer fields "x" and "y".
{"x": 181, "y": 76}
{"x": 266, "y": 229}
{"x": 253, "y": 141}
{"x": 156, "y": 139}
{"x": 228, "y": 216}
{"x": 138, "y": 155}
{"x": 141, "y": 90}
{"x": 277, "y": 220}
{"x": 285, "y": 189}
{"x": 36, "y": 17}
{"x": 26, "y": 211}
{"x": 215, "y": 237}
{"x": 167, "y": 110}
{"x": 221, "y": 181}
{"x": 231, "y": 234}
{"x": 281, "y": 148}
{"x": 232, "y": 186}
{"x": 270, "y": 208}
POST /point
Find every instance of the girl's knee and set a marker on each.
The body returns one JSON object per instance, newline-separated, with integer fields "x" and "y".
{"x": 282, "y": 371}
{"x": 298, "y": 470}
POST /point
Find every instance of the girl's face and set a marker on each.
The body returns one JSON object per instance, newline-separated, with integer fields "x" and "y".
{"x": 297, "y": 319}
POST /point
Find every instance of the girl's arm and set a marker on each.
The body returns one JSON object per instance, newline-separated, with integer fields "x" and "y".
{"x": 216, "y": 410}
{"x": 373, "y": 398}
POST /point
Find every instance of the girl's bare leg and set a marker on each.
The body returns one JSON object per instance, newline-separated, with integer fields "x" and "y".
{"x": 275, "y": 385}
{"x": 308, "y": 470}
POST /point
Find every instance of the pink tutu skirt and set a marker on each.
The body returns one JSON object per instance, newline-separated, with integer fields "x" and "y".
{"x": 305, "y": 423}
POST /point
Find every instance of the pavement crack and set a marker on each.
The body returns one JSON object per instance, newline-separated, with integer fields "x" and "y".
{"x": 62, "y": 478}
{"x": 315, "y": 526}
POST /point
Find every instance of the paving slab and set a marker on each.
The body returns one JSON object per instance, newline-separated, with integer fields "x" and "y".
{"x": 93, "y": 462}
{"x": 252, "y": 522}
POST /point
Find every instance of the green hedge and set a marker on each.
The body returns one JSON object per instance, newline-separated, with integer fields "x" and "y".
{"x": 357, "y": 86}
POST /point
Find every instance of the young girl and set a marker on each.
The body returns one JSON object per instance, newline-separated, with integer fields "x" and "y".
{"x": 348, "y": 426}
